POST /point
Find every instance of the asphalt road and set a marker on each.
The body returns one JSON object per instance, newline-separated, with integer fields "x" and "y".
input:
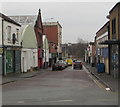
{"x": 67, "y": 87}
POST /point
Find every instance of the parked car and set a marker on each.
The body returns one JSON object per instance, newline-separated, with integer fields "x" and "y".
{"x": 59, "y": 65}
{"x": 77, "y": 65}
{"x": 69, "y": 61}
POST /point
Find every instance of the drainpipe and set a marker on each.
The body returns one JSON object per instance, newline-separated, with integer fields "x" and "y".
{"x": 3, "y": 59}
{"x": 109, "y": 49}
{"x": 118, "y": 43}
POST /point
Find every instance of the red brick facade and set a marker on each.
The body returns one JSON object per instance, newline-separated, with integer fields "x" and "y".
{"x": 39, "y": 33}
{"x": 52, "y": 34}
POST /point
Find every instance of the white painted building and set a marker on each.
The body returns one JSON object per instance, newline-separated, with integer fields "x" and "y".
{"x": 11, "y": 43}
{"x": 29, "y": 56}
{"x": 46, "y": 50}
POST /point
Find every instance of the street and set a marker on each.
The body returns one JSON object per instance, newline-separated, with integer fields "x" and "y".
{"x": 67, "y": 87}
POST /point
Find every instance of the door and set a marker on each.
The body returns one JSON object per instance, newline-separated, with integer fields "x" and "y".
{"x": 23, "y": 64}
{"x": 17, "y": 56}
{"x": 0, "y": 64}
{"x": 114, "y": 61}
{"x": 9, "y": 61}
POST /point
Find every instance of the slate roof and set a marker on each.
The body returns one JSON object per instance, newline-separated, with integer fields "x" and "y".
{"x": 8, "y": 19}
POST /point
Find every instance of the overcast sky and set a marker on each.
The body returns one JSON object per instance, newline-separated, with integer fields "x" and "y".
{"x": 78, "y": 19}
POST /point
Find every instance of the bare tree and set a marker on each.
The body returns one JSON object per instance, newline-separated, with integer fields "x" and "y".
{"x": 78, "y": 49}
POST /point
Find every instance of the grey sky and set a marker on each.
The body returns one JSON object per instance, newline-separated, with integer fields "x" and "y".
{"x": 78, "y": 19}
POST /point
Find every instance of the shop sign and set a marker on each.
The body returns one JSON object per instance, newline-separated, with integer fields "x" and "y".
{"x": 1, "y": 50}
{"x": 13, "y": 48}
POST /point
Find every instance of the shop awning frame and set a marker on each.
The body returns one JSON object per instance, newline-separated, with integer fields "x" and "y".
{"x": 110, "y": 42}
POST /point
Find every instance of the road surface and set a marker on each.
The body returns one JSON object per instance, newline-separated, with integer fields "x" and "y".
{"x": 67, "y": 87}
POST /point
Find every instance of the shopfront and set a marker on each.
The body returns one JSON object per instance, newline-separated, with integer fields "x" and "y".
{"x": 13, "y": 59}
{"x": 114, "y": 62}
{"x": 114, "y": 57}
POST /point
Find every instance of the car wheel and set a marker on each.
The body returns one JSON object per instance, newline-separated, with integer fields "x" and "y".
{"x": 81, "y": 67}
{"x": 53, "y": 69}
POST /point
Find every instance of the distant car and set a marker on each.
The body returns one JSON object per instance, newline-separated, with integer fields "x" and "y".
{"x": 59, "y": 65}
{"x": 69, "y": 61}
{"x": 64, "y": 62}
{"x": 74, "y": 60}
{"x": 77, "y": 65}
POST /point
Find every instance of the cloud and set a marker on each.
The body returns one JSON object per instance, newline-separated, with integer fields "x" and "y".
{"x": 78, "y": 19}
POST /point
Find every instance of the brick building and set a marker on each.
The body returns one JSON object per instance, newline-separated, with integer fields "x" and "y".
{"x": 113, "y": 41}
{"x": 53, "y": 30}
{"x": 39, "y": 33}
{"x": 102, "y": 50}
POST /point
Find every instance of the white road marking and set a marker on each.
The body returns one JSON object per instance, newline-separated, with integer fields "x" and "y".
{"x": 20, "y": 102}
{"x": 62, "y": 101}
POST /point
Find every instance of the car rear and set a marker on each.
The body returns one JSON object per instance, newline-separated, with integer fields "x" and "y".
{"x": 77, "y": 65}
{"x": 69, "y": 62}
{"x": 58, "y": 66}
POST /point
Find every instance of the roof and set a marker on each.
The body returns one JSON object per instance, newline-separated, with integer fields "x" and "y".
{"x": 117, "y": 4}
{"x": 106, "y": 24}
{"x": 8, "y": 19}
{"x": 91, "y": 43}
{"x": 51, "y": 24}
{"x": 24, "y": 19}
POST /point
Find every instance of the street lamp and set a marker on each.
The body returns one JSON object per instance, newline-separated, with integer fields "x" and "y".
{"x": 45, "y": 39}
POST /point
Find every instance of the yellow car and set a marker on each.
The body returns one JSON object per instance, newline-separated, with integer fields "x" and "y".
{"x": 69, "y": 61}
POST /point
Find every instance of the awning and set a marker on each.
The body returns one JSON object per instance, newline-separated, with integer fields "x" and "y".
{"x": 111, "y": 42}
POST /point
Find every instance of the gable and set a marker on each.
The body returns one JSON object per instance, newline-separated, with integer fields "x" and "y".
{"x": 28, "y": 37}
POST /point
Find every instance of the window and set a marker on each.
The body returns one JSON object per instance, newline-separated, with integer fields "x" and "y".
{"x": 9, "y": 33}
{"x": 17, "y": 35}
{"x": 114, "y": 28}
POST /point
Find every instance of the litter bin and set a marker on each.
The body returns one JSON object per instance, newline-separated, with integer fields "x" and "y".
{"x": 100, "y": 67}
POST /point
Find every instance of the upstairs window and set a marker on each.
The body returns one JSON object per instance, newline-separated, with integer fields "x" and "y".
{"x": 114, "y": 28}
{"x": 17, "y": 35}
{"x": 9, "y": 33}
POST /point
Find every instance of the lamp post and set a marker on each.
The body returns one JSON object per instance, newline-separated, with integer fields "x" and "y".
{"x": 45, "y": 39}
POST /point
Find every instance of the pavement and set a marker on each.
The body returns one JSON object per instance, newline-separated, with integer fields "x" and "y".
{"x": 105, "y": 79}
{"x": 18, "y": 76}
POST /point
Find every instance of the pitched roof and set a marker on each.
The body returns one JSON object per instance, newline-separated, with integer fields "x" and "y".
{"x": 117, "y": 4}
{"x": 8, "y": 19}
{"x": 39, "y": 21}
